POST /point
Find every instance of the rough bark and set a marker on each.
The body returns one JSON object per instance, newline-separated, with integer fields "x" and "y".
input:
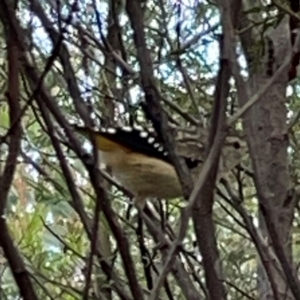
{"x": 265, "y": 125}
{"x": 266, "y": 131}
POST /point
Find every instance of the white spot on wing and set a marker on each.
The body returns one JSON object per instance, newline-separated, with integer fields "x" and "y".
{"x": 143, "y": 134}
{"x": 127, "y": 128}
{"x": 151, "y": 140}
{"x": 139, "y": 128}
{"x": 111, "y": 130}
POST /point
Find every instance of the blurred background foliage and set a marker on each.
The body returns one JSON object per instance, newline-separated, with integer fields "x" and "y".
{"x": 184, "y": 45}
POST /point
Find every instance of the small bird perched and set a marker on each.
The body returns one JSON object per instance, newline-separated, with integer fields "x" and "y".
{"x": 138, "y": 161}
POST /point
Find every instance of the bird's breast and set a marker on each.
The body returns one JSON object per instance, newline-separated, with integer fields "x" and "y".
{"x": 144, "y": 176}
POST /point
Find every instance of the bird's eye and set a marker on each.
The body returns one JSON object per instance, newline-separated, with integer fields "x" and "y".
{"x": 236, "y": 145}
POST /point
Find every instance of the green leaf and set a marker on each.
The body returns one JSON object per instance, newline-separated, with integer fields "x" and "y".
{"x": 4, "y": 119}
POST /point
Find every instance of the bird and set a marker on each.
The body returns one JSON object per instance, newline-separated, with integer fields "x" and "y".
{"x": 138, "y": 161}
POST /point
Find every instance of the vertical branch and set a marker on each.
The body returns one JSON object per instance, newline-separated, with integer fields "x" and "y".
{"x": 64, "y": 56}
{"x": 15, "y": 133}
{"x": 265, "y": 126}
{"x": 202, "y": 211}
{"x": 152, "y": 105}
{"x": 15, "y": 261}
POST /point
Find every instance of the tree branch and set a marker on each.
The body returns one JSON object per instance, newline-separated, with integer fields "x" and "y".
{"x": 16, "y": 263}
